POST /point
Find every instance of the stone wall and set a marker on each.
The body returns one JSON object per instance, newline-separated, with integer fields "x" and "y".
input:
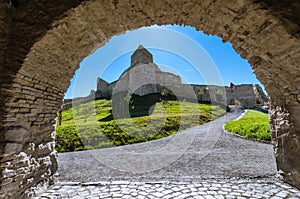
{"x": 28, "y": 104}
{"x": 139, "y": 76}
{"x": 244, "y": 94}
{"x": 169, "y": 80}
{"x": 260, "y": 96}
{"x": 28, "y": 156}
{"x": 102, "y": 88}
{"x": 144, "y": 77}
{"x": 42, "y": 43}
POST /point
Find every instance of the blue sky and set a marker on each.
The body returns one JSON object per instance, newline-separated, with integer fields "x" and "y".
{"x": 198, "y": 58}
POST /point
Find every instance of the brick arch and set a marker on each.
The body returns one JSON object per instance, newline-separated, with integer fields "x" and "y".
{"x": 42, "y": 44}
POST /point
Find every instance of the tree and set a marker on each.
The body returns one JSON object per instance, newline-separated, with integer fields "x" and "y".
{"x": 201, "y": 92}
{"x": 59, "y": 118}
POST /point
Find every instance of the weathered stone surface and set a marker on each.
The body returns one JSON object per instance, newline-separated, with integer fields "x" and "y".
{"x": 42, "y": 42}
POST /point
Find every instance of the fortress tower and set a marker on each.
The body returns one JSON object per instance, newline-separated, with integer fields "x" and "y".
{"x": 141, "y": 56}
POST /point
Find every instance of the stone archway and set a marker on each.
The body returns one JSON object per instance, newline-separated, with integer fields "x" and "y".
{"x": 233, "y": 101}
{"x": 43, "y": 42}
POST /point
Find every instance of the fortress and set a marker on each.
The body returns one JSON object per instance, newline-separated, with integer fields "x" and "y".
{"x": 144, "y": 77}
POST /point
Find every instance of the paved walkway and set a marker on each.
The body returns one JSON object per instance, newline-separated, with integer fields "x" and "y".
{"x": 243, "y": 188}
{"x": 202, "y": 162}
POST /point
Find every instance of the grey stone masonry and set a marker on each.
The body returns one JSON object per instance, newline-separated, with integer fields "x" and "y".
{"x": 144, "y": 77}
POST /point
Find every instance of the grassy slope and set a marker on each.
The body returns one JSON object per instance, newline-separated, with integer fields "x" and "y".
{"x": 253, "y": 125}
{"x": 87, "y": 127}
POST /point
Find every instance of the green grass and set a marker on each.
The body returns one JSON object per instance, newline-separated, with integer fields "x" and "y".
{"x": 253, "y": 125}
{"x": 90, "y": 125}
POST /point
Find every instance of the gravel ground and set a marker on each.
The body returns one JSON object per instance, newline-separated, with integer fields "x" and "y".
{"x": 203, "y": 152}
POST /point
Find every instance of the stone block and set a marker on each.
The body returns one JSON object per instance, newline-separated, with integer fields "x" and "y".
{"x": 8, "y": 173}
{"x": 12, "y": 187}
{"x": 9, "y": 150}
{"x": 45, "y": 148}
{"x": 6, "y": 181}
{"x": 17, "y": 134}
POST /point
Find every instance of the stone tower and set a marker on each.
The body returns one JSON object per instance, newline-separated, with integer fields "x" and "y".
{"x": 141, "y": 56}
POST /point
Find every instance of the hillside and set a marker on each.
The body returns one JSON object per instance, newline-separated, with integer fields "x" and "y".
{"x": 91, "y": 125}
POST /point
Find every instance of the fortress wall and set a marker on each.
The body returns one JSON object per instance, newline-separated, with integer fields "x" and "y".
{"x": 141, "y": 75}
{"x": 167, "y": 79}
{"x": 186, "y": 91}
{"x": 121, "y": 85}
{"x": 260, "y": 96}
{"x": 111, "y": 87}
{"x": 206, "y": 97}
{"x": 102, "y": 86}
{"x": 213, "y": 90}
{"x": 143, "y": 80}
{"x": 146, "y": 89}
{"x": 244, "y": 94}
{"x": 170, "y": 81}
{"x": 201, "y": 92}
{"x": 247, "y": 95}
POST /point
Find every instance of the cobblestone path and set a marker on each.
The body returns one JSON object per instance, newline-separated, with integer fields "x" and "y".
{"x": 206, "y": 189}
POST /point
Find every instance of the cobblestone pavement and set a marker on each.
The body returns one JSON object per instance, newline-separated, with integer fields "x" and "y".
{"x": 239, "y": 188}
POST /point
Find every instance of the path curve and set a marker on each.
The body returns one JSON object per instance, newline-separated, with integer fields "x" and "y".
{"x": 230, "y": 157}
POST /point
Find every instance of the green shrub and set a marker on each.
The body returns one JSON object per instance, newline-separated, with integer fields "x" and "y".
{"x": 67, "y": 139}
